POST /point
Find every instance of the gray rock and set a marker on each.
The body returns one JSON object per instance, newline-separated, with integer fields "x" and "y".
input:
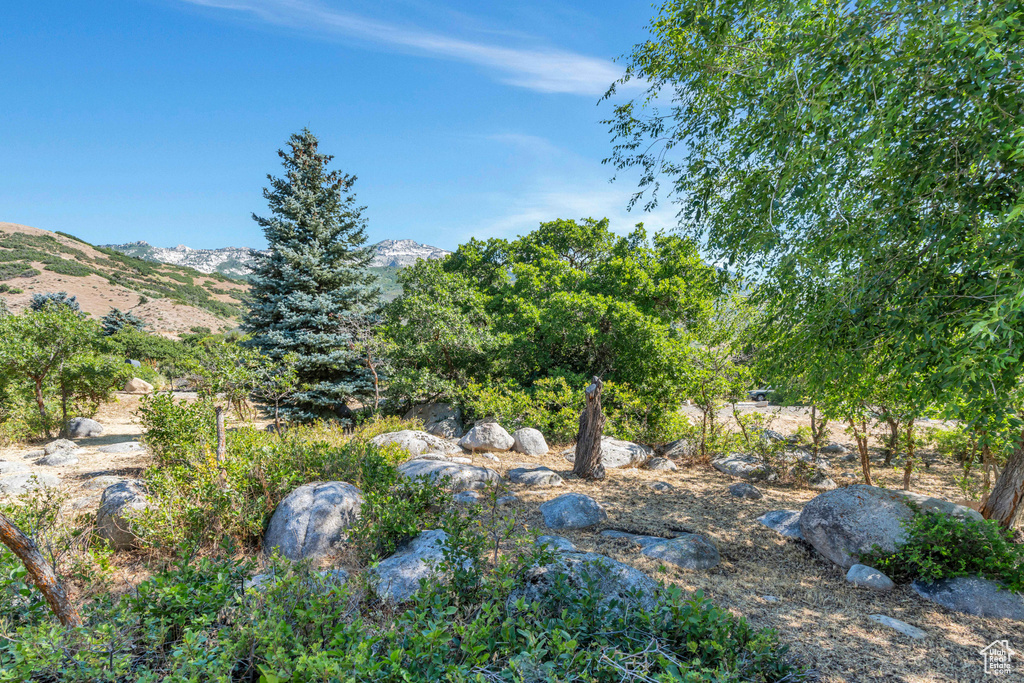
{"x": 537, "y": 476}
{"x": 10, "y": 467}
{"x": 461, "y": 460}
{"x": 819, "y": 481}
{"x": 558, "y": 543}
{"x": 818, "y": 463}
{"x": 680, "y": 448}
{"x": 608, "y": 579}
{"x": 102, "y": 481}
{"x": 745, "y": 467}
{"x": 616, "y": 453}
{"x": 661, "y": 465}
{"x": 23, "y": 482}
{"x": 901, "y": 626}
{"x": 973, "y": 595}
{"x": 660, "y": 486}
{"x": 312, "y": 521}
{"x": 489, "y": 436}
{"x": 771, "y": 598}
{"x": 869, "y": 577}
{"x": 786, "y": 522}
{"x": 689, "y": 551}
{"x": 397, "y": 578}
{"x": 59, "y": 459}
{"x": 507, "y": 500}
{"x": 415, "y": 443}
{"x": 55, "y": 446}
{"x": 460, "y": 477}
{"x": 90, "y": 501}
{"x": 833, "y": 449}
{"x": 120, "y": 502}
{"x": 37, "y": 453}
{"x": 440, "y": 457}
{"x": 123, "y": 447}
{"x": 439, "y": 419}
{"x": 745, "y": 490}
{"x": 467, "y": 498}
{"x": 846, "y": 522}
{"x": 320, "y": 583}
{"x": 572, "y": 511}
{"x": 82, "y": 427}
{"x": 529, "y": 441}
{"x": 489, "y": 456}
{"x": 138, "y": 386}
{"x": 852, "y": 457}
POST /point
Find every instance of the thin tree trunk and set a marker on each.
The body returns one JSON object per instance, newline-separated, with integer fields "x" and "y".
{"x": 1003, "y": 503}
{"x": 41, "y": 404}
{"x": 893, "y": 441}
{"x": 588, "y": 441}
{"x": 63, "y": 403}
{"x": 908, "y": 469}
{"x": 39, "y": 571}
{"x": 988, "y": 464}
{"x": 222, "y": 447}
{"x": 277, "y": 417}
{"x": 862, "y": 447}
{"x": 814, "y": 431}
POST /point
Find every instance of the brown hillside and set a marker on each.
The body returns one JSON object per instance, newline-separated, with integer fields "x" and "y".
{"x": 37, "y": 261}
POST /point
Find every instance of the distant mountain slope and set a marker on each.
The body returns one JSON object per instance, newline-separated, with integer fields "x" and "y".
{"x": 172, "y": 299}
{"x": 234, "y": 261}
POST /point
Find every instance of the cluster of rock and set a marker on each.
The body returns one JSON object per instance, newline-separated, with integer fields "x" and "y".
{"x": 844, "y": 524}
{"x": 755, "y": 469}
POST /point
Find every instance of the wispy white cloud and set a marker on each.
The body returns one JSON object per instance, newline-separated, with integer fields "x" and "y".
{"x": 541, "y": 69}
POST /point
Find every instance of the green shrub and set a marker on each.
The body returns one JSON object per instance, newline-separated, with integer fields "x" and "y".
{"x": 942, "y": 546}
{"x": 68, "y": 267}
{"x": 551, "y": 406}
{"x": 391, "y": 516}
{"x": 8, "y": 289}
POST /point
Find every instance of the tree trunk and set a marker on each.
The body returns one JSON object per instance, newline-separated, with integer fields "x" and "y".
{"x": 908, "y": 469}
{"x": 277, "y": 417}
{"x": 41, "y": 404}
{"x": 63, "y": 403}
{"x": 818, "y": 429}
{"x": 862, "y": 447}
{"x": 1003, "y": 503}
{"x": 893, "y": 441}
{"x": 40, "y": 572}
{"x": 988, "y": 464}
{"x": 222, "y": 447}
{"x": 588, "y": 441}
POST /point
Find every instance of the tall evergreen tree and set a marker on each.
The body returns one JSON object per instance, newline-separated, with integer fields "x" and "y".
{"x": 311, "y": 291}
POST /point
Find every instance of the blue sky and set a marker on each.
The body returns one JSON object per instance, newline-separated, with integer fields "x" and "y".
{"x": 159, "y": 119}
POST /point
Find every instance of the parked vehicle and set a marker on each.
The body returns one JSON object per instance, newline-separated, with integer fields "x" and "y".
{"x": 760, "y": 394}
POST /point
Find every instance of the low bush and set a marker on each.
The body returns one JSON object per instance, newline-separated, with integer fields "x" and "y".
{"x": 390, "y": 516}
{"x": 940, "y": 546}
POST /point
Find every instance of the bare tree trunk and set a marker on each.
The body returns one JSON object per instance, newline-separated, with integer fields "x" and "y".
{"x": 908, "y": 469}
{"x": 988, "y": 464}
{"x": 222, "y": 444}
{"x": 588, "y": 441}
{"x": 892, "y": 443}
{"x": 1003, "y": 503}
{"x": 818, "y": 429}
{"x": 40, "y": 572}
{"x": 862, "y": 447}
{"x": 41, "y": 404}
{"x": 277, "y": 417}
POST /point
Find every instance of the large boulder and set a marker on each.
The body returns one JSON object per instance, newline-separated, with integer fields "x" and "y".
{"x": 82, "y": 427}
{"x": 529, "y": 441}
{"x": 617, "y": 454}
{"x": 688, "y": 551}
{"x": 138, "y": 386}
{"x": 460, "y": 477}
{"x": 439, "y": 419}
{"x": 583, "y": 572}
{"x": 415, "y": 442}
{"x": 59, "y": 458}
{"x": 120, "y": 502}
{"x": 535, "y": 476}
{"x": 23, "y": 482}
{"x": 745, "y": 467}
{"x": 973, "y": 595}
{"x": 572, "y": 511}
{"x": 397, "y": 578}
{"x": 489, "y": 436}
{"x": 844, "y": 523}
{"x": 312, "y": 521}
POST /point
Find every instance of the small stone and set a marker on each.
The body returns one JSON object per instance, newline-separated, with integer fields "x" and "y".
{"x": 490, "y": 456}
{"x": 467, "y": 498}
{"x": 901, "y": 626}
{"x": 660, "y": 486}
{"x": 869, "y": 577}
{"x": 745, "y": 490}
{"x": 786, "y": 522}
{"x": 771, "y": 598}
{"x": 572, "y": 511}
{"x": 819, "y": 481}
{"x": 489, "y": 436}
{"x": 558, "y": 543}
{"x": 58, "y": 459}
{"x": 661, "y": 465}
{"x": 57, "y": 445}
{"x": 138, "y": 386}
{"x": 745, "y": 467}
{"x": 529, "y": 441}
{"x": 507, "y": 500}
{"x": 833, "y": 449}
{"x": 537, "y": 476}
{"x": 461, "y": 460}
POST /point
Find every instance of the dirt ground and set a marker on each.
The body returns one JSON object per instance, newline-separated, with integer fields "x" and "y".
{"x": 771, "y": 581}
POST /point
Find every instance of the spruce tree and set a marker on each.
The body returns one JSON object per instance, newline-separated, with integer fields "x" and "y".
{"x": 311, "y": 291}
